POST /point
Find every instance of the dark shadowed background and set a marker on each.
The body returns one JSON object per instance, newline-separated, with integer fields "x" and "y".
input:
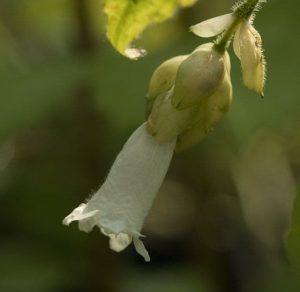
{"x": 68, "y": 103}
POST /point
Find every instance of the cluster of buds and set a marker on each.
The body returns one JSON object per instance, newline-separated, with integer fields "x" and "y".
{"x": 189, "y": 94}
{"x": 187, "y": 97}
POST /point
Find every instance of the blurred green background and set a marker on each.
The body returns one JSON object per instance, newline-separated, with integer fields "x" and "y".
{"x": 68, "y": 104}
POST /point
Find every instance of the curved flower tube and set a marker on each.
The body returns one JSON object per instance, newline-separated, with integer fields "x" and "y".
{"x": 121, "y": 205}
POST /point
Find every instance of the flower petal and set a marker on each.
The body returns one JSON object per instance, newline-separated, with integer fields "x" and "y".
{"x": 140, "y": 249}
{"x": 236, "y": 43}
{"x": 119, "y": 242}
{"x": 251, "y": 55}
{"x": 120, "y": 206}
{"x": 213, "y": 26}
{"x": 77, "y": 215}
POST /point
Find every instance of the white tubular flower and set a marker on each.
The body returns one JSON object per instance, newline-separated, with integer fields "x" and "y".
{"x": 121, "y": 205}
{"x": 247, "y": 46}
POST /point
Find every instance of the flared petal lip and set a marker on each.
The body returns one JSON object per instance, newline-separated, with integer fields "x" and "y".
{"x": 78, "y": 214}
{"x": 133, "y": 236}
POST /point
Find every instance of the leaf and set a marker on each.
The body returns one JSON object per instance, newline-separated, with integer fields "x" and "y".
{"x": 126, "y": 19}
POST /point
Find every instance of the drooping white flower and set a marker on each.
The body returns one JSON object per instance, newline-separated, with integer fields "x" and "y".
{"x": 247, "y": 47}
{"x": 121, "y": 205}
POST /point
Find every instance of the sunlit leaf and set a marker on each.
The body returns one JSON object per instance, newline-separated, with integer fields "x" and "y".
{"x": 126, "y": 19}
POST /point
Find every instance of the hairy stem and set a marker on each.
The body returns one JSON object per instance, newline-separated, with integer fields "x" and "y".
{"x": 242, "y": 10}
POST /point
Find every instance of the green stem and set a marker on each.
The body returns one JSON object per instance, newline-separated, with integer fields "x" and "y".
{"x": 222, "y": 43}
{"x": 241, "y": 12}
{"x": 245, "y": 8}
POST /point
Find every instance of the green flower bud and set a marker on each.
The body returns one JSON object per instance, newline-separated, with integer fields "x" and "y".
{"x": 164, "y": 76}
{"x": 198, "y": 77}
{"x": 208, "y": 115}
{"x": 165, "y": 121}
{"x": 207, "y": 95}
{"x": 162, "y": 80}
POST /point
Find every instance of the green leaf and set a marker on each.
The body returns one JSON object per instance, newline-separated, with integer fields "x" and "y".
{"x": 126, "y": 19}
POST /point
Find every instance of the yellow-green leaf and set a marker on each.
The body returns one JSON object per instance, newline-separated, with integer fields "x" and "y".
{"x": 126, "y": 19}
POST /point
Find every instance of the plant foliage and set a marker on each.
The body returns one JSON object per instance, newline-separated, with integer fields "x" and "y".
{"x": 126, "y": 19}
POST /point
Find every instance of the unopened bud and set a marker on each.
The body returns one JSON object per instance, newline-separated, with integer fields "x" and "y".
{"x": 203, "y": 81}
{"x": 162, "y": 80}
{"x": 165, "y": 121}
{"x": 164, "y": 76}
{"x": 198, "y": 77}
{"x": 208, "y": 115}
